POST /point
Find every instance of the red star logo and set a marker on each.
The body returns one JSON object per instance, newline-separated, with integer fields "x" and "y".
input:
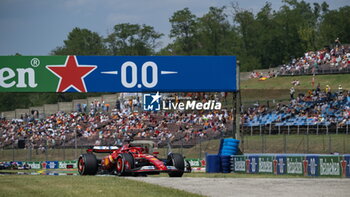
{"x": 71, "y": 74}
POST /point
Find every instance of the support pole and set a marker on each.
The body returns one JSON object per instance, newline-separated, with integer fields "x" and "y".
{"x": 298, "y": 128}
{"x": 13, "y": 151}
{"x": 64, "y": 149}
{"x": 260, "y": 129}
{"x": 75, "y": 144}
{"x": 284, "y": 142}
{"x": 336, "y": 129}
{"x": 237, "y": 133}
{"x": 279, "y": 129}
{"x": 307, "y": 140}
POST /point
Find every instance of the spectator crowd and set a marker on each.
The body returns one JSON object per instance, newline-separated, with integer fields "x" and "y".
{"x": 100, "y": 127}
{"x": 317, "y": 106}
{"x": 325, "y": 61}
{"x": 330, "y": 60}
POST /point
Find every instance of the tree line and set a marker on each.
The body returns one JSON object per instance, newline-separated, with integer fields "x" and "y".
{"x": 260, "y": 40}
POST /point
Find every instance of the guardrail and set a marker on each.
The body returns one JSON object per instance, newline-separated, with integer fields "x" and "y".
{"x": 315, "y": 165}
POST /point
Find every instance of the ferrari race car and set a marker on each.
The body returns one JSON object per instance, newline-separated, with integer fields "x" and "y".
{"x": 132, "y": 159}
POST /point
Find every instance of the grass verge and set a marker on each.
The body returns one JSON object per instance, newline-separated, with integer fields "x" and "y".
{"x": 318, "y": 144}
{"x": 16, "y": 185}
{"x": 305, "y": 82}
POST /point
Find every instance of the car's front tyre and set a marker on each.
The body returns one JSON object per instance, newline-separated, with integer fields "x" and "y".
{"x": 176, "y": 160}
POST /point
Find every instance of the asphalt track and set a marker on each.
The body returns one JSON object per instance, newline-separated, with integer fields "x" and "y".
{"x": 243, "y": 187}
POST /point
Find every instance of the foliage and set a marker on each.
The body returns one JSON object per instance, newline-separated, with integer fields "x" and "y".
{"x": 184, "y": 29}
{"x": 132, "y": 39}
{"x": 81, "y": 42}
{"x": 336, "y": 24}
{"x": 266, "y": 39}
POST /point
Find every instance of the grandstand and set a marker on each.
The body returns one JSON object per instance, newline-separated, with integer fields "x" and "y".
{"x": 317, "y": 108}
{"x": 326, "y": 61}
{"x": 102, "y": 126}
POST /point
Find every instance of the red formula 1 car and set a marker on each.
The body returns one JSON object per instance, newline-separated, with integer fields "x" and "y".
{"x": 132, "y": 159}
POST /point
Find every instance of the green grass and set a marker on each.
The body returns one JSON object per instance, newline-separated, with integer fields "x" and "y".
{"x": 320, "y": 144}
{"x": 305, "y": 82}
{"x": 16, "y": 185}
{"x": 277, "y": 89}
{"x": 51, "y": 154}
{"x": 263, "y": 95}
{"x": 253, "y": 90}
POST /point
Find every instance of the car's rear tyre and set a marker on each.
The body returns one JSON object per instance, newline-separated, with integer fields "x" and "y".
{"x": 125, "y": 162}
{"x": 178, "y": 161}
{"x": 87, "y": 164}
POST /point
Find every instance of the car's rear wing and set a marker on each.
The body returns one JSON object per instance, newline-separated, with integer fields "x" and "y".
{"x": 102, "y": 149}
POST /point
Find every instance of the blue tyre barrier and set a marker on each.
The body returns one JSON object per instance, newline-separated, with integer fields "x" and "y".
{"x": 231, "y": 140}
{"x": 227, "y": 152}
{"x": 230, "y": 148}
{"x": 230, "y": 144}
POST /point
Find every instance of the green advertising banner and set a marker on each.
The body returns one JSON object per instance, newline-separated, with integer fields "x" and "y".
{"x": 330, "y": 166}
{"x": 34, "y": 165}
{"x": 266, "y": 164}
{"x": 29, "y": 73}
{"x": 194, "y": 162}
{"x": 63, "y": 164}
{"x": 295, "y": 165}
{"x": 239, "y": 163}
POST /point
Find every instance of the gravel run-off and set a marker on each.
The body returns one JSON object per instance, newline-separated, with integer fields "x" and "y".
{"x": 255, "y": 186}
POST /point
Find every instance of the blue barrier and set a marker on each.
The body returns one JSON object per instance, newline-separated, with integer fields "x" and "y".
{"x": 51, "y": 164}
{"x": 280, "y": 164}
{"x": 225, "y": 163}
{"x": 254, "y": 164}
{"x": 213, "y": 164}
{"x": 311, "y": 164}
{"x": 346, "y": 165}
{"x": 293, "y": 164}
